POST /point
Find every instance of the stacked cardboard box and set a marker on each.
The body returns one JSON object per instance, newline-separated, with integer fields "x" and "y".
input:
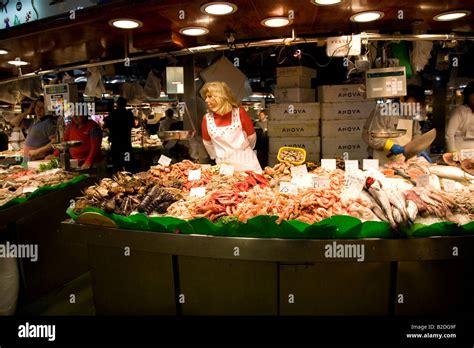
{"x": 296, "y": 125}
{"x": 294, "y": 119}
{"x": 344, "y": 111}
{"x": 294, "y": 85}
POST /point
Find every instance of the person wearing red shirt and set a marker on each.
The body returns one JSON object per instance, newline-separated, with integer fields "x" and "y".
{"x": 227, "y": 131}
{"x": 90, "y": 134}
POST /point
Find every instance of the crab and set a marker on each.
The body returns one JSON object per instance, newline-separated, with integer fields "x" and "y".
{"x": 96, "y": 192}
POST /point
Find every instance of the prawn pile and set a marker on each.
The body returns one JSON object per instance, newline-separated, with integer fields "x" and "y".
{"x": 311, "y": 205}
{"x": 166, "y": 191}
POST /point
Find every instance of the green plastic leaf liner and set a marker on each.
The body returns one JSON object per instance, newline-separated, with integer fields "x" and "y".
{"x": 40, "y": 191}
{"x": 336, "y": 227}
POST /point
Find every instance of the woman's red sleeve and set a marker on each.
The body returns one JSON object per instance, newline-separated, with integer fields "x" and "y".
{"x": 205, "y": 133}
{"x": 247, "y": 123}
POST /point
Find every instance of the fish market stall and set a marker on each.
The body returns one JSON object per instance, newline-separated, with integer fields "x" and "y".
{"x": 10, "y": 157}
{"x": 32, "y": 205}
{"x": 202, "y": 239}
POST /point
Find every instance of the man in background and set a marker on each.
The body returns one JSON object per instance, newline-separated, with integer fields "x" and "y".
{"x": 167, "y": 122}
{"x": 120, "y": 123}
{"x": 89, "y": 134}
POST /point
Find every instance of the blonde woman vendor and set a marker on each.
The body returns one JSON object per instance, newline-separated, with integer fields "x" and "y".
{"x": 227, "y": 130}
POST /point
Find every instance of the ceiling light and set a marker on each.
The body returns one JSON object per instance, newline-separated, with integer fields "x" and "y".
{"x": 218, "y": 8}
{"x": 368, "y": 16}
{"x": 125, "y": 23}
{"x": 2, "y": 51}
{"x": 18, "y": 62}
{"x": 325, "y": 2}
{"x": 451, "y": 15}
{"x": 276, "y": 22}
{"x": 194, "y": 31}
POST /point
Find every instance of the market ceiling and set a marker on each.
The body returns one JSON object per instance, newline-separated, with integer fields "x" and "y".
{"x": 61, "y": 41}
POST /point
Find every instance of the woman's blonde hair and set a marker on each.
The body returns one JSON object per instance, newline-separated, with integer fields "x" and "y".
{"x": 221, "y": 90}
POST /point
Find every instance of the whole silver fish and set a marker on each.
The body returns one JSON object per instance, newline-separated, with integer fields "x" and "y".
{"x": 397, "y": 216}
{"x": 375, "y": 207}
{"x": 381, "y": 197}
{"x": 396, "y": 198}
{"x": 412, "y": 210}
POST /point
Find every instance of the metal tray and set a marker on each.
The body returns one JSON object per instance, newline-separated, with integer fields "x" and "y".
{"x": 382, "y": 133}
{"x": 66, "y": 145}
{"x": 175, "y": 135}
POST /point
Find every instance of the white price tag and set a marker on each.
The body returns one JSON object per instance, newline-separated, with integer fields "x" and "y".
{"x": 288, "y": 187}
{"x": 226, "y": 170}
{"x": 467, "y": 154}
{"x": 351, "y": 166}
{"x": 165, "y": 161}
{"x": 321, "y": 182}
{"x": 355, "y": 181}
{"x": 449, "y": 185}
{"x": 29, "y": 189}
{"x": 301, "y": 170}
{"x": 397, "y": 184}
{"x": 423, "y": 180}
{"x": 303, "y": 181}
{"x": 328, "y": 164}
{"x": 194, "y": 175}
{"x": 197, "y": 192}
{"x": 370, "y": 164}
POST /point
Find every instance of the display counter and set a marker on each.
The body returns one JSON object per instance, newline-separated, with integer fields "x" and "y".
{"x": 36, "y": 221}
{"x": 136, "y": 272}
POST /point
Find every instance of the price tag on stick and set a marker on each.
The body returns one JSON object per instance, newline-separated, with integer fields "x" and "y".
{"x": 467, "y": 154}
{"x": 351, "y": 165}
{"x": 321, "y": 182}
{"x": 164, "y": 160}
{"x": 194, "y": 175}
{"x": 197, "y": 192}
{"x": 288, "y": 187}
{"x": 226, "y": 169}
{"x": 300, "y": 171}
{"x": 449, "y": 185}
{"x": 328, "y": 163}
{"x": 355, "y": 181}
{"x": 422, "y": 180}
{"x": 368, "y": 164}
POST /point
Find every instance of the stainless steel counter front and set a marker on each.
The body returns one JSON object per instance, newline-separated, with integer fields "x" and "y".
{"x": 139, "y": 272}
{"x": 37, "y": 222}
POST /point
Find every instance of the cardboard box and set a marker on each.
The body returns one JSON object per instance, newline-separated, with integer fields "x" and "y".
{"x": 342, "y": 128}
{"x": 294, "y": 81}
{"x": 347, "y": 110}
{"x": 296, "y": 71}
{"x": 283, "y": 129}
{"x": 310, "y": 157}
{"x": 341, "y": 93}
{"x": 335, "y": 147}
{"x": 310, "y": 144}
{"x": 296, "y": 95}
{"x": 291, "y": 112}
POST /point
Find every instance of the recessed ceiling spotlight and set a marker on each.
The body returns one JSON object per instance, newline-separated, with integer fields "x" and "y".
{"x": 368, "y": 16}
{"x": 451, "y": 15}
{"x": 18, "y": 62}
{"x": 125, "y": 23}
{"x": 325, "y": 2}
{"x": 2, "y": 51}
{"x": 276, "y": 22}
{"x": 218, "y": 8}
{"x": 194, "y": 31}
